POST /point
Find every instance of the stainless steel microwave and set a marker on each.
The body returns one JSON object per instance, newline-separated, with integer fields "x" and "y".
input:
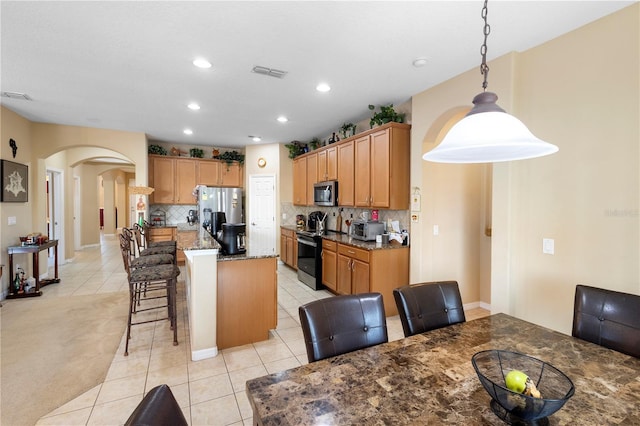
{"x": 325, "y": 193}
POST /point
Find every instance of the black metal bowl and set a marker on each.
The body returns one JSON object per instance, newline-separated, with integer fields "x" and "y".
{"x": 515, "y": 408}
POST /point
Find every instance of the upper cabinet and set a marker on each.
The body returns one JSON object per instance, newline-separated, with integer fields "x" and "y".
{"x": 174, "y": 178}
{"x": 372, "y": 169}
{"x": 219, "y": 173}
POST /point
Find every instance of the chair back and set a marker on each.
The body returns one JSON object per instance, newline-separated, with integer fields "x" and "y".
{"x": 144, "y": 241}
{"x": 342, "y": 324}
{"x": 125, "y": 250}
{"x": 159, "y": 408}
{"x": 427, "y": 306}
{"x": 608, "y": 318}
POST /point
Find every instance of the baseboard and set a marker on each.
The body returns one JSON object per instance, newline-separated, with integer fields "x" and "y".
{"x": 204, "y": 354}
{"x": 476, "y": 305}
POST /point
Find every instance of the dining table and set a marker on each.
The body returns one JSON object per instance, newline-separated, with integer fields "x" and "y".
{"x": 429, "y": 379}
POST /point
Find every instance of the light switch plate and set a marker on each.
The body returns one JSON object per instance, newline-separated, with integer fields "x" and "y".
{"x": 415, "y": 218}
{"x": 548, "y": 246}
{"x": 12, "y": 220}
{"x": 436, "y": 230}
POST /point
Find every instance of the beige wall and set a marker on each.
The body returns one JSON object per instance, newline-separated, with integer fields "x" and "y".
{"x": 581, "y": 92}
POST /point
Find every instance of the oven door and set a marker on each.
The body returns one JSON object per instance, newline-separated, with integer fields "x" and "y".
{"x": 307, "y": 249}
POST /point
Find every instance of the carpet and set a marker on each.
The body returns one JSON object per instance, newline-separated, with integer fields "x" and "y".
{"x": 55, "y": 350}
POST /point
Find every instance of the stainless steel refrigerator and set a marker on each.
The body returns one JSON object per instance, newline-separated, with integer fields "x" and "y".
{"x": 227, "y": 200}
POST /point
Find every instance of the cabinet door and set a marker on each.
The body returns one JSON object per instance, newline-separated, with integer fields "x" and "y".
{"x": 329, "y": 269}
{"x": 208, "y": 173}
{"x": 346, "y": 174}
{"x": 163, "y": 180}
{"x": 283, "y": 247}
{"x": 231, "y": 175}
{"x": 380, "y": 171}
{"x": 290, "y": 251}
{"x": 343, "y": 279}
{"x": 294, "y": 261}
{"x": 332, "y": 163}
{"x": 185, "y": 181}
{"x": 312, "y": 171}
{"x": 362, "y": 173}
{"x": 322, "y": 166}
{"x": 300, "y": 181}
{"x": 359, "y": 277}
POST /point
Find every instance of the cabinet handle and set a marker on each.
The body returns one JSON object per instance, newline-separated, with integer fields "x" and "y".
{"x": 351, "y": 252}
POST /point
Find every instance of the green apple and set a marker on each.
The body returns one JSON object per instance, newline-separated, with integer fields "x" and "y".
{"x": 516, "y": 381}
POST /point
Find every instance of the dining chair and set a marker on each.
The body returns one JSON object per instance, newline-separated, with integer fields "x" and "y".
{"x": 427, "y": 306}
{"x": 146, "y": 239}
{"x": 142, "y": 249}
{"x": 159, "y": 408}
{"x": 342, "y": 324}
{"x": 608, "y": 318}
{"x": 152, "y": 284}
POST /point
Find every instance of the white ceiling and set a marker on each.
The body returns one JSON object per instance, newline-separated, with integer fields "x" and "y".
{"x": 127, "y": 65}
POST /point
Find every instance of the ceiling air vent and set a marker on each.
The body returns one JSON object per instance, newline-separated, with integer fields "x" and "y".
{"x": 271, "y": 72}
{"x": 16, "y": 95}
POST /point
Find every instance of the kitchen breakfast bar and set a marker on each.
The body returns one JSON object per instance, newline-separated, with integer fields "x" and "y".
{"x": 231, "y": 299}
{"x": 428, "y": 379}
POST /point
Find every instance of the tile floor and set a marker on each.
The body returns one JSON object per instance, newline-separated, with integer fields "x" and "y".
{"x": 211, "y": 391}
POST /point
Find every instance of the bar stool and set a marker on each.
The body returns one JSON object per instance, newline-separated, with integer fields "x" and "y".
{"x": 153, "y": 279}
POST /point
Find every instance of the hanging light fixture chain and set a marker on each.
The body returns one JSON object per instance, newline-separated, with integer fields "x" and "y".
{"x": 484, "y": 68}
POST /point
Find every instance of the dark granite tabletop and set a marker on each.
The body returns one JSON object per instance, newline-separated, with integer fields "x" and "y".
{"x": 196, "y": 238}
{"x": 428, "y": 379}
{"x": 343, "y": 238}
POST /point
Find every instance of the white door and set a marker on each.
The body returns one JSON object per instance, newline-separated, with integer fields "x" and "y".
{"x": 55, "y": 196}
{"x": 261, "y": 229}
{"x": 76, "y": 213}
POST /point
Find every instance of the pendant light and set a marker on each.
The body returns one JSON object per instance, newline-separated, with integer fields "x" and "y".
{"x": 487, "y": 134}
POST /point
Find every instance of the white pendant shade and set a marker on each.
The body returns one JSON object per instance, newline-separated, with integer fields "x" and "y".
{"x": 488, "y": 135}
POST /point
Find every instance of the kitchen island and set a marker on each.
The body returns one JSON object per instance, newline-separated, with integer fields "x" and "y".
{"x": 231, "y": 299}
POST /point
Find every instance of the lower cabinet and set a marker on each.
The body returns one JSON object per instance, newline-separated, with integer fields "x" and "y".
{"x": 348, "y": 269}
{"x": 289, "y": 247}
{"x": 329, "y": 264}
{"x": 166, "y": 234}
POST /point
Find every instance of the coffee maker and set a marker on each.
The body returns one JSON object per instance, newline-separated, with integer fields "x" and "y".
{"x": 233, "y": 238}
{"x": 316, "y": 222}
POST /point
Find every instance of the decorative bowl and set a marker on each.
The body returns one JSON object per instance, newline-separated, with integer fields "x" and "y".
{"x": 516, "y": 408}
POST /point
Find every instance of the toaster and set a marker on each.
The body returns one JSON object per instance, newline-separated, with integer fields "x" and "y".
{"x": 366, "y": 230}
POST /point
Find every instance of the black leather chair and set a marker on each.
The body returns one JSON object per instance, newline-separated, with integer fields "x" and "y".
{"x": 608, "y": 318}
{"x": 427, "y": 306}
{"x": 342, "y": 324}
{"x": 158, "y": 408}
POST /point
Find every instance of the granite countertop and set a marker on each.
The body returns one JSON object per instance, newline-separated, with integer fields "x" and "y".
{"x": 343, "y": 238}
{"x": 429, "y": 379}
{"x": 196, "y": 238}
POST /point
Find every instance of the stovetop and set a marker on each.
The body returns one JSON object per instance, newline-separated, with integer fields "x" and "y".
{"x": 308, "y": 233}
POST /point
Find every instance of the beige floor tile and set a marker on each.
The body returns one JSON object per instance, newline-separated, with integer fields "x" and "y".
{"x": 282, "y": 364}
{"x": 239, "y": 377}
{"x": 113, "y": 390}
{"x": 159, "y": 361}
{"x": 243, "y": 403}
{"x": 73, "y": 418}
{"x": 129, "y": 366}
{"x": 289, "y": 334}
{"x": 286, "y": 322}
{"x": 181, "y": 394}
{"x": 86, "y": 400}
{"x": 115, "y": 412}
{"x": 210, "y": 388}
{"x": 241, "y": 357}
{"x": 171, "y": 376}
{"x": 273, "y": 352}
{"x": 297, "y": 346}
{"x": 221, "y": 411}
{"x": 206, "y": 367}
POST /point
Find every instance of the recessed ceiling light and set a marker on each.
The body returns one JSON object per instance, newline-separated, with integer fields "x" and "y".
{"x": 323, "y": 87}
{"x": 201, "y": 63}
{"x": 419, "y": 62}
{"x": 282, "y": 119}
{"x": 255, "y": 138}
{"x": 193, "y": 106}
{"x": 187, "y": 131}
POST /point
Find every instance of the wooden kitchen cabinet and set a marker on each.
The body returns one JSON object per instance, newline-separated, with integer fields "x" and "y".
{"x": 352, "y": 270}
{"x": 327, "y": 164}
{"x": 166, "y": 234}
{"x": 173, "y": 180}
{"x": 312, "y": 173}
{"x": 329, "y": 264}
{"x": 382, "y": 168}
{"x": 346, "y": 170}
{"x": 289, "y": 247}
{"x": 219, "y": 173}
{"x": 185, "y": 181}
{"x": 300, "y": 188}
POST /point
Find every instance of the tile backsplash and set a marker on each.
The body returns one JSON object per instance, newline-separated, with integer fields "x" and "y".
{"x": 288, "y": 214}
{"x": 175, "y": 213}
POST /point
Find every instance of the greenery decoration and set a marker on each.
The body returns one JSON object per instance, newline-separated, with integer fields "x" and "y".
{"x": 296, "y": 148}
{"x": 314, "y": 143}
{"x": 196, "y": 153}
{"x": 230, "y": 156}
{"x": 157, "y": 150}
{"x": 348, "y": 130}
{"x": 387, "y": 114}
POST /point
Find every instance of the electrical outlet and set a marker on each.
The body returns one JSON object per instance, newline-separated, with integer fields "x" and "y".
{"x": 548, "y": 246}
{"x": 284, "y": 216}
{"x": 436, "y": 230}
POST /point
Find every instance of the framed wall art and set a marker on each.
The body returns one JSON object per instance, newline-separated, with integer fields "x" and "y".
{"x": 14, "y": 181}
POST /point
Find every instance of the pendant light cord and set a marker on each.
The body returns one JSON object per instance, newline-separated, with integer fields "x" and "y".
{"x": 484, "y": 68}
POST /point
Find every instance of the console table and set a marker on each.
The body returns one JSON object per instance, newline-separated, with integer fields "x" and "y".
{"x": 34, "y": 249}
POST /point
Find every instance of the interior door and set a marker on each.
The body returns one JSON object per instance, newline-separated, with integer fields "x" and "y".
{"x": 261, "y": 227}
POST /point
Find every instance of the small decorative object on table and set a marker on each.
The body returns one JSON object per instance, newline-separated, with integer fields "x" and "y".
{"x": 520, "y": 406}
